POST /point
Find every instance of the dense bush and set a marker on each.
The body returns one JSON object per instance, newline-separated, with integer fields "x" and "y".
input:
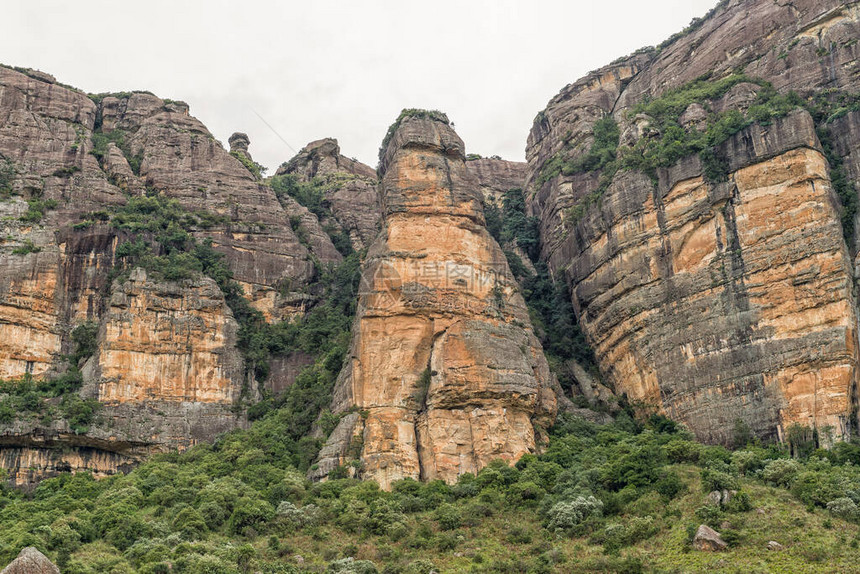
{"x": 565, "y": 515}
{"x": 240, "y": 505}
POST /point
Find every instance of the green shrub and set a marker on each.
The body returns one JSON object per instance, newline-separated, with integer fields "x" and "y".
{"x": 781, "y": 471}
{"x": 249, "y": 512}
{"x": 36, "y": 209}
{"x": 669, "y": 485}
{"x": 716, "y": 480}
{"x": 253, "y": 167}
{"x": 190, "y": 523}
{"x": 26, "y": 248}
{"x": 448, "y": 516}
{"x": 524, "y": 494}
{"x": 747, "y": 461}
{"x": 618, "y": 535}
{"x": 710, "y": 514}
{"x": 7, "y": 177}
{"x": 844, "y": 508}
{"x": 739, "y": 502}
{"x": 84, "y": 340}
{"x": 565, "y": 515}
{"x": 681, "y": 450}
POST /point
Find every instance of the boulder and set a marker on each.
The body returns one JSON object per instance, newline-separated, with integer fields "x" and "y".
{"x": 708, "y": 540}
{"x": 31, "y": 561}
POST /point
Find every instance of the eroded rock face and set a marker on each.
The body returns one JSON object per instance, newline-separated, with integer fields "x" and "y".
{"x": 173, "y": 349}
{"x": 497, "y": 176}
{"x": 715, "y": 302}
{"x": 26, "y": 466}
{"x": 349, "y": 186}
{"x": 163, "y": 341}
{"x": 725, "y": 301}
{"x": 31, "y": 561}
{"x": 180, "y": 158}
{"x": 444, "y": 367}
{"x": 167, "y": 368}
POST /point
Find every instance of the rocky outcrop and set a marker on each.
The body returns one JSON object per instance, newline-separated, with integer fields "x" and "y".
{"x": 496, "y": 176}
{"x": 167, "y": 369}
{"x": 444, "y": 369}
{"x": 173, "y": 349}
{"x": 323, "y": 157}
{"x": 714, "y": 302}
{"x": 31, "y": 561}
{"x": 349, "y": 187}
{"x": 239, "y": 143}
{"x": 179, "y": 157}
{"x": 30, "y": 461}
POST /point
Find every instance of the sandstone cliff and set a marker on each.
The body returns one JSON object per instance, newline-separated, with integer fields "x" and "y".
{"x": 445, "y": 373}
{"x": 724, "y": 298}
{"x": 166, "y": 369}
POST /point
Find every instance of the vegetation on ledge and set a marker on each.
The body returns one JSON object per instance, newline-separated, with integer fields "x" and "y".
{"x": 668, "y": 141}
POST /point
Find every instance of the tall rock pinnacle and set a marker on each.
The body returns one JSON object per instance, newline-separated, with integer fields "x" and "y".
{"x": 445, "y": 373}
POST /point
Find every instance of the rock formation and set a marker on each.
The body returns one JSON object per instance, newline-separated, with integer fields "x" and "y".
{"x": 166, "y": 370}
{"x": 349, "y": 187}
{"x": 445, "y": 373}
{"x": 715, "y": 302}
{"x": 31, "y": 561}
{"x": 496, "y": 176}
{"x": 239, "y": 143}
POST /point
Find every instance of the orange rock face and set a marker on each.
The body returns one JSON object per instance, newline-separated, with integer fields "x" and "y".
{"x": 170, "y": 343}
{"x": 728, "y": 301}
{"x": 444, "y": 367}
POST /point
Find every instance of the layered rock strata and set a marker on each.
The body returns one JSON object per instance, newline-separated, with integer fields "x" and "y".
{"x": 167, "y": 370}
{"x": 728, "y": 301}
{"x": 445, "y": 373}
{"x": 715, "y": 302}
{"x": 168, "y": 349}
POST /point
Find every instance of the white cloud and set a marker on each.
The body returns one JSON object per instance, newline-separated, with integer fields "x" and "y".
{"x": 339, "y": 68}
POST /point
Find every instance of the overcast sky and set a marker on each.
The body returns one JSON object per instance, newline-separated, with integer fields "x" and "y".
{"x": 343, "y": 69}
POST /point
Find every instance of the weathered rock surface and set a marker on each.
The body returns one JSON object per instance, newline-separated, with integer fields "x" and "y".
{"x": 31, "y": 561}
{"x": 36, "y": 458}
{"x": 239, "y": 142}
{"x": 497, "y": 176}
{"x": 727, "y": 301}
{"x": 708, "y": 540}
{"x": 180, "y": 158}
{"x": 167, "y": 368}
{"x": 444, "y": 367}
{"x": 167, "y": 342}
{"x": 350, "y": 188}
